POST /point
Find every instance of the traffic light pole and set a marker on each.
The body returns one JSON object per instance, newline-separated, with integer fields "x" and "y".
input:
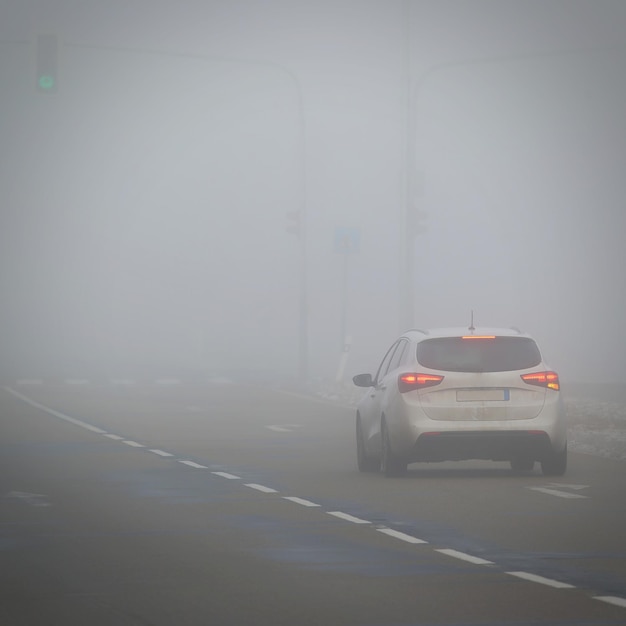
{"x": 411, "y": 214}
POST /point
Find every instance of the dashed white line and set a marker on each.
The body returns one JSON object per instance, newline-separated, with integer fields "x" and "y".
{"x": 349, "y": 518}
{"x": 614, "y": 600}
{"x": 114, "y": 437}
{"x": 556, "y": 492}
{"x": 398, "y": 535}
{"x": 567, "y": 486}
{"x": 133, "y": 444}
{"x": 227, "y": 475}
{"x": 464, "y": 557}
{"x": 557, "y": 584}
{"x": 301, "y": 501}
{"x": 161, "y": 453}
{"x": 262, "y": 488}
{"x": 193, "y": 464}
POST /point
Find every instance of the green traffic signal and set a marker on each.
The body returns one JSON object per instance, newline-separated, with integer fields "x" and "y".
{"x": 46, "y": 82}
{"x": 47, "y": 63}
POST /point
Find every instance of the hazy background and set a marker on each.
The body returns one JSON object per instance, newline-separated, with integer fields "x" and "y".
{"x": 144, "y": 206}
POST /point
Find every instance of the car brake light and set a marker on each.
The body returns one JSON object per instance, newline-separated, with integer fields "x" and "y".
{"x": 478, "y": 337}
{"x": 410, "y": 382}
{"x": 550, "y": 380}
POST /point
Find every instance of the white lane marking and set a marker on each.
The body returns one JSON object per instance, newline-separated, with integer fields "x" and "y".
{"x": 262, "y": 488}
{"x": 464, "y": 557}
{"x": 556, "y": 492}
{"x": 566, "y": 486}
{"x": 283, "y": 428}
{"x": 32, "y": 499}
{"x": 161, "y": 453}
{"x": 348, "y": 518}
{"x": 541, "y": 580}
{"x": 193, "y": 464}
{"x": 398, "y": 535}
{"x": 58, "y": 414}
{"x": 220, "y": 380}
{"x": 301, "y": 501}
{"x": 114, "y": 437}
{"x": 615, "y": 600}
{"x": 226, "y": 475}
{"x": 133, "y": 444}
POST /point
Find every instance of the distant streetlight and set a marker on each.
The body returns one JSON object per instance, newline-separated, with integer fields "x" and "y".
{"x": 411, "y": 215}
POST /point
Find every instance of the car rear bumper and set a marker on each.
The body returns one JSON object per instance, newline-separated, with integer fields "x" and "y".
{"x": 487, "y": 445}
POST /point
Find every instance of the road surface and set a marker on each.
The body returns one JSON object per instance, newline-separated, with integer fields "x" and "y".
{"x": 221, "y": 504}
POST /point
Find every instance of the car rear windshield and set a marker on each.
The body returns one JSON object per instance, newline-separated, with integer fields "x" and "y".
{"x": 498, "y": 354}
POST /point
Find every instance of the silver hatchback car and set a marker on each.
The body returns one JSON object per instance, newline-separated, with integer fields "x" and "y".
{"x": 461, "y": 393}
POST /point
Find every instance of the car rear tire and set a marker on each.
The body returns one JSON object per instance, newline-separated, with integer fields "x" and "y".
{"x": 364, "y": 462}
{"x": 555, "y": 463}
{"x": 391, "y": 465}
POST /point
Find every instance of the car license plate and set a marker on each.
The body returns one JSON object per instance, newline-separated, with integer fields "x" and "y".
{"x": 482, "y": 395}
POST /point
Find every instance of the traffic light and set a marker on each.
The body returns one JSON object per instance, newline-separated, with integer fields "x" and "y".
{"x": 47, "y": 64}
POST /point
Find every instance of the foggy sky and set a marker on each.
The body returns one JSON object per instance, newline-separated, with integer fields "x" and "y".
{"x": 144, "y": 206}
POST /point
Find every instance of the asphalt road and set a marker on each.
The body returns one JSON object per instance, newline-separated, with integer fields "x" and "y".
{"x": 172, "y": 505}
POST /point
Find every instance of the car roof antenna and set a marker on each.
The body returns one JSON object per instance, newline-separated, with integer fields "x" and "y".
{"x": 471, "y": 326}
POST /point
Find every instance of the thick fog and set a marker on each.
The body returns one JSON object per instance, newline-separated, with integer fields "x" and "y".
{"x": 146, "y": 206}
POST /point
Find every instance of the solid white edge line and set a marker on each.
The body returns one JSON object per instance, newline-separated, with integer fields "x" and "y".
{"x": 300, "y": 501}
{"x": 262, "y": 488}
{"x": 455, "y": 554}
{"x": 67, "y": 418}
{"x": 614, "y": 600}
{"x": 192, "y": 464}
{"x": 160, "y": 452}
{"x": 133, "y": 444}
{"x": 227, "y": 475}
{"x": 398, "y": 535}
{"x": 557, "y": 584}
{"x": 556, "y": 492}
{"x": 348, "y": 518}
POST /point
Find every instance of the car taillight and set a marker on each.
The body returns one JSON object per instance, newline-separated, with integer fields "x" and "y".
{"x": 410, "y": 382}
{"x": 550, "y": 380}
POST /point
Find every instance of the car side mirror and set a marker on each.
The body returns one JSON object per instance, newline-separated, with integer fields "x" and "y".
{"x": 363, "y": 380}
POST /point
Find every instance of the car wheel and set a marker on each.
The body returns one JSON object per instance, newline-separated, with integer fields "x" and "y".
{"x": 364, "y": 462}
{"x": 522, "y": 464}
{"x": 555, "y": 463}
{"x": 390, "y": 464}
